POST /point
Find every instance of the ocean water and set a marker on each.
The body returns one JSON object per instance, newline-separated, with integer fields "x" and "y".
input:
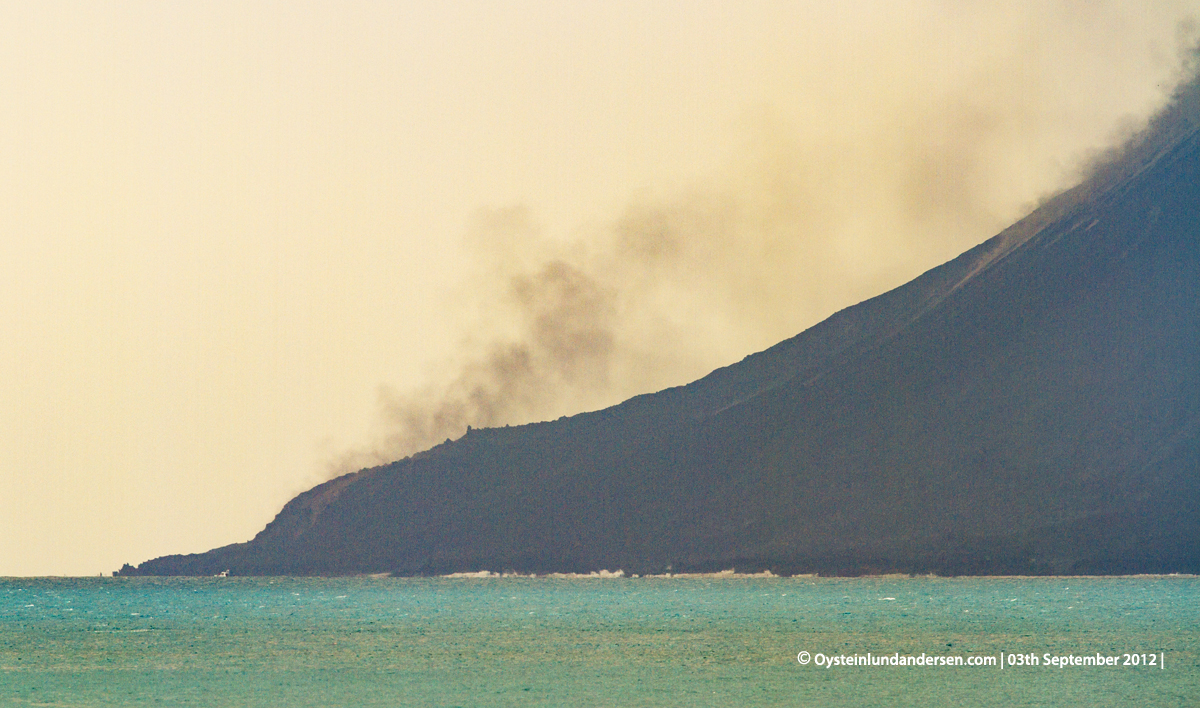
{"x": 597, "y": 642}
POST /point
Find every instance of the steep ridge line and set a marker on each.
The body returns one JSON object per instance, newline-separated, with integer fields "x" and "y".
{"x": 1028, "y": 407}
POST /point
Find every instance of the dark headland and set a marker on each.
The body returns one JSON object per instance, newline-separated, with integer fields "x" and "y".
{"x": 1031, "y": 407}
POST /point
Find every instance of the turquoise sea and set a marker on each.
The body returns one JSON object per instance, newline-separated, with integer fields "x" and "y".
{"x": 698, "y": 641}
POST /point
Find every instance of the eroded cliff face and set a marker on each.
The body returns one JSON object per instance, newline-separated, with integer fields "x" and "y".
{"x": 1032, "y": 406}
{"x": 302, "y": 513}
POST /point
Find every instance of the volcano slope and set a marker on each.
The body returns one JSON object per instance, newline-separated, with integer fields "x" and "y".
{"x": 1031, "y": 407}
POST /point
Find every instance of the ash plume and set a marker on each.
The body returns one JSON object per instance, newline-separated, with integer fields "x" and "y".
{"x": 804, "y": 220}
{"x": 564, "y": 342}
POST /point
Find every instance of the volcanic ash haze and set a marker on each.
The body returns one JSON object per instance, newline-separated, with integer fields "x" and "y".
{"x": 1031, "y": 406}
{"x": 241, "y": 237}
{"x": 815, "y": 211}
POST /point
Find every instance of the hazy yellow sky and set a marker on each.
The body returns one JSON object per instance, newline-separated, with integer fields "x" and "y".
{"x": 224, "y": 226}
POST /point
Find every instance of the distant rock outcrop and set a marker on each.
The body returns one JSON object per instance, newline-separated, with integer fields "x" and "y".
{"x": 1032, "y": 406}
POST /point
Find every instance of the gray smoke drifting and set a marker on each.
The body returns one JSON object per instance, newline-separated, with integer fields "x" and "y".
{"x": 561, "y": 343}
{"x": 564, "y": 343}
{"x": 1177, "y": 119}
{"x": 813, "y": 213}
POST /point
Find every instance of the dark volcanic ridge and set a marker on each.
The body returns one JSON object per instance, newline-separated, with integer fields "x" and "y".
{"x": 1031, "y": 407}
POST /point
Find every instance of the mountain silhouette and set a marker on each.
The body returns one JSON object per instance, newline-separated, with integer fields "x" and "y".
{"x": 1030, "y": 407}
